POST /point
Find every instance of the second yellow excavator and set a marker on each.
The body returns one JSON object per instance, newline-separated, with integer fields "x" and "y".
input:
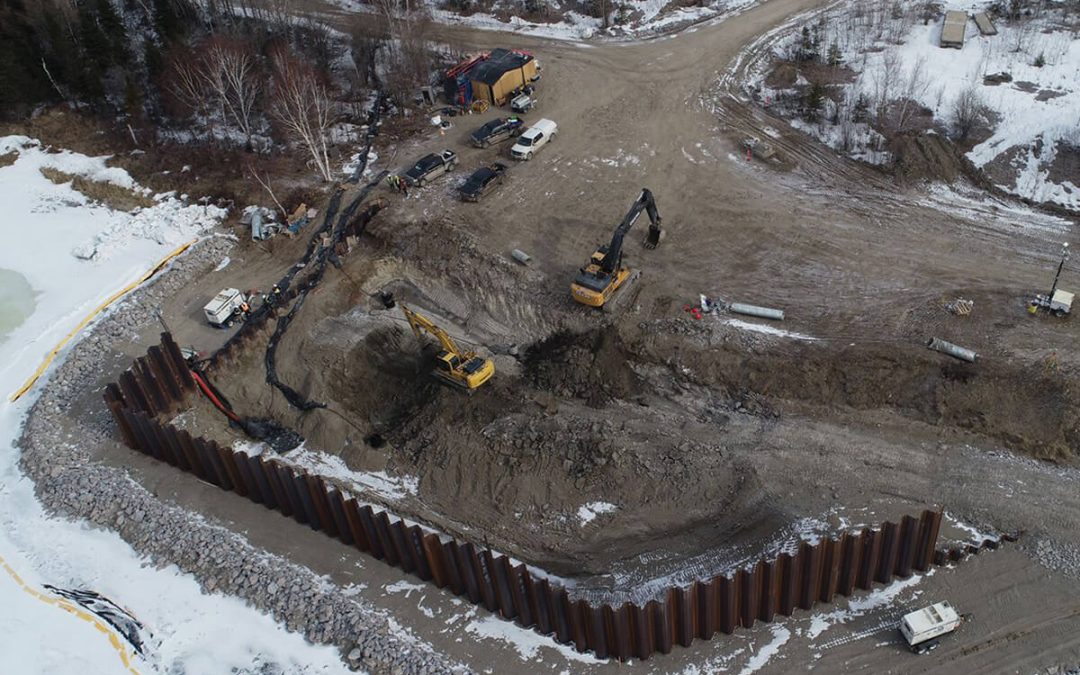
{"x": 464, "y": 370}
{"x": 605, "y": 273}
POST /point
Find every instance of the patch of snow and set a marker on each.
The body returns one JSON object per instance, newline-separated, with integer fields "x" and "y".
{"x": 768, "y": 330}
{"x": 349, "y": 167}
{"x": 977, "y": 536}
{"x": 588, "y": 513}
{"x": 223, "y": 264}
{"x": 331, "y": 466}
{"x": 758, "y": 661}
{"x": 403, "y": 587}
{"x": 648, "y": 17}
{"x": 526, "y": 642}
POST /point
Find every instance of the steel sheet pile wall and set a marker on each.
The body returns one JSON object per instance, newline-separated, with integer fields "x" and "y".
{"x": 815, "y": 573}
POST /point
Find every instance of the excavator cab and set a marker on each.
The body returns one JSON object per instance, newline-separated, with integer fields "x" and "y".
{"x": 463, "y": 370}
{"x": 605, "y": 273}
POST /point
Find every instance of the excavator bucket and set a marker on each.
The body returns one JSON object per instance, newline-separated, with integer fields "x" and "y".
{"x": 654, "y": 237}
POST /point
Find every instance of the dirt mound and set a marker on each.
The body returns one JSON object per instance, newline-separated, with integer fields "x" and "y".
{"x": 593, "y": 366}
{"x": 926, "y": 157}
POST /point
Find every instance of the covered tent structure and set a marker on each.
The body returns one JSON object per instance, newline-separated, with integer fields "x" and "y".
{"x": 490, "y": 76}
{"x": 503, "y": 71}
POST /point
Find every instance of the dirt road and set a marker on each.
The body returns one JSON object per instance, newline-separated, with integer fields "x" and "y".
{"x": 710, "y": 438}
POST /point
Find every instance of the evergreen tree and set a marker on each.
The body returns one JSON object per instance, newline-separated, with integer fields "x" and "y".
{"x": 835, "y": 57}
{"x": 815, "y": 101}
{"x": 112, "y": 26}
{"x": 167, "y": 20}
{"x": 154, "y": 60}
{"x": 23, "y": 81}
{"x": 861, "y": 112}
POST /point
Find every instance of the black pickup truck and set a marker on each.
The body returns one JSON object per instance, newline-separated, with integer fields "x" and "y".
{"x": 430, "y": 167}
{"x": 482, "y": 181}
{"x": 497, "y": 130}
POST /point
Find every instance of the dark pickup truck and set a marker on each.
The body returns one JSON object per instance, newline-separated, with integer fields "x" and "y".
{"x": 431, "y": 167}
{"x": 482, "y": 181}
{"x": 497, "y": 130}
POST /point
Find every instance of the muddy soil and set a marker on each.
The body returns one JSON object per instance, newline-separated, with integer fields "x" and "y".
{"x": 653, "y": 412}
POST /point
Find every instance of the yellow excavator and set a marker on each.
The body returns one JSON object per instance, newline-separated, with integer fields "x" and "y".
{"x": 605, "y": 274}
{"x": 464, "y": 370}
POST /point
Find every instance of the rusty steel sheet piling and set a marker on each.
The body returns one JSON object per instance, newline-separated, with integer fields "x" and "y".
{"x": 816, "y": 572}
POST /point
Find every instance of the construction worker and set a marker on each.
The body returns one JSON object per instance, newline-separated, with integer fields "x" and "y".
{"x": 245, "y": 310}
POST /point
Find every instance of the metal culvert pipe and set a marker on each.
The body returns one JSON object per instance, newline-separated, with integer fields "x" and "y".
{"x": 956, "y": 351}
{"x": 754, "y": 310}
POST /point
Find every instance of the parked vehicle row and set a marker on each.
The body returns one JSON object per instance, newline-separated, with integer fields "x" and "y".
{"x": 486, "y": 178}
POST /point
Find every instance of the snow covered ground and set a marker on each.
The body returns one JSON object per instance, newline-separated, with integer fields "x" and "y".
{"x": 43, "y": 224}
{"x": 1034, "y": 115}
{"x": 645, "y": 17}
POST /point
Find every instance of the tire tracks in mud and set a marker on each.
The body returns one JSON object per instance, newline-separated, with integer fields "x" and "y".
{"x": 820, "y": 164}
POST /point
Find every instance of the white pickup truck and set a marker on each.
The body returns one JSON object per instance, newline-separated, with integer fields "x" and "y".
{"x": 921, "y": 628}
{"x": 534, "y": 138}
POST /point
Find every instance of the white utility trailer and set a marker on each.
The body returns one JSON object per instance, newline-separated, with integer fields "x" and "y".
{"x": 223, "y": 309}
{"x": 921, "y": 628}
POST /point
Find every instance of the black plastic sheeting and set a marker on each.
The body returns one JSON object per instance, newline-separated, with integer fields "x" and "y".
{"x": 317, "y": 267}
{"x": 279, "y": 437}
{"x": 314, "y": 261}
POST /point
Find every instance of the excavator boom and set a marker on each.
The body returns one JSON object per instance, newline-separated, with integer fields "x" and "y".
{"x": 421, "y": 324}
{"x": 605, "y": 273}
{"x": 645, "y": 202}
{"x": 464, "y": 370}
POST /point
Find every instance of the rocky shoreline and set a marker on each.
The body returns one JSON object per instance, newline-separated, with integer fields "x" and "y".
{"x": 70, "y": 483}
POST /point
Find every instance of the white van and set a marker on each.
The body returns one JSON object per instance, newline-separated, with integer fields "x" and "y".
{"x": 534, "y": 138}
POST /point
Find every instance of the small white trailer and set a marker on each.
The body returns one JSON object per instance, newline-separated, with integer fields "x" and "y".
{"x": 225, "y": 306}
{"x": 921, "y": 628}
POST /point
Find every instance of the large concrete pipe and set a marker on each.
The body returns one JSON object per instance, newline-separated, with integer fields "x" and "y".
{"x": 754, "y": 310}
{"x": 949, "y": 348}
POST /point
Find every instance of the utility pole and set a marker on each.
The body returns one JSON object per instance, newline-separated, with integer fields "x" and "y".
{"x": 1064, "y": 257}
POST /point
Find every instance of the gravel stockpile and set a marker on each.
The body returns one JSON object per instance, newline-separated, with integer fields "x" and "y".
{"x": 71, "y": 484}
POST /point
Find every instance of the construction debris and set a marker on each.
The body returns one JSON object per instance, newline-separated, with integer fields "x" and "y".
{"x": 960, "y": 307}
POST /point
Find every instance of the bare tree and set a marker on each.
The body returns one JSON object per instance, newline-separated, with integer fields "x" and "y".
{"x": 186, "y": 83}
{"x": 408, "y": 63}
{"x": 911, "y": 90}
{"x": 265, "y": 183}
{"x": 230, "y": 73}
{"x": 967, "y": 109}
{"x": 303, "y": 107}
{"x": 279, "y": 14}
{"x": 883, "y": 84}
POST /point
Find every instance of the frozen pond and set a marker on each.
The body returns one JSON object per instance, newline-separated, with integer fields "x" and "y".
{"x": 16, "y": 302}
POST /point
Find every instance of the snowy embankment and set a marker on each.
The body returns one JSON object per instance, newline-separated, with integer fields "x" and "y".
{"x": 642, "y": 17}
{"x": 1022, "y": 84}
{"x": 183, "y": 629}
